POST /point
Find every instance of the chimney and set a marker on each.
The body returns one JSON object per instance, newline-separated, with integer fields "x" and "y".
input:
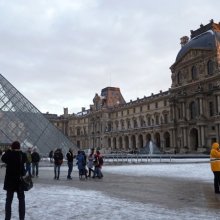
{"x": 184, "y": 40}
{"x": 65, "y": 112}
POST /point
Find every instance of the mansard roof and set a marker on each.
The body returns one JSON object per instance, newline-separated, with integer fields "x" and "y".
{"x": 206, "y": 37}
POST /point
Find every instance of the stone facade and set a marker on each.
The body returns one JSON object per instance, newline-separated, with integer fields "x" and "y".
{"x": 183, "y": 119}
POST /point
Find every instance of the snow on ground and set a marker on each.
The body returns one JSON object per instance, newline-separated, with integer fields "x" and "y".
{"x": 47, "y": 202}
{"x": 67, "y": 203}
{"x": 198, "y": 171}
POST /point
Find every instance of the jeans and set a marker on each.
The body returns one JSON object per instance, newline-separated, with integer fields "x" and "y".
{"x": 28, "y": 168}
{"x": 70, "y": 169}
{"x": 90, "y": 172}
{"x": 56, "y": 171}
{"x": 35, "y": 165}
{"x": 21, "y": 204}
{"x": 98, "y": 172}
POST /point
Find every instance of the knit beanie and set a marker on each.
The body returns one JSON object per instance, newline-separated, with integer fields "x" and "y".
{"x": 15, "y": 145}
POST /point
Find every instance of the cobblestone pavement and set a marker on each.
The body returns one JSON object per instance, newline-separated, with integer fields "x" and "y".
{"x": 168, "y": 192}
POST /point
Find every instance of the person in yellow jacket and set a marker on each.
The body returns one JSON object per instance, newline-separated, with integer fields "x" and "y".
{"x": 215, "y": 165}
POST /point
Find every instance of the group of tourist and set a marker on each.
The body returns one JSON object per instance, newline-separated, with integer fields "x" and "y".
{"x": 94, "y": 163}
{"x": 15, "y": 161}
{"x": 88, "y": 166}
{"x": 20, "y": 163}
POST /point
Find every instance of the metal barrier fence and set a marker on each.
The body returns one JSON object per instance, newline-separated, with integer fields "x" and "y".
{"x": 144, "y": 158}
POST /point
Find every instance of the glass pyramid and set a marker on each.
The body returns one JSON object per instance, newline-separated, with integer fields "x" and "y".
{"x": 21, "y": 121}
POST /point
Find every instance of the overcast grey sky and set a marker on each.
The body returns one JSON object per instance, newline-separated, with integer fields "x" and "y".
{"x": 60, "y": 53}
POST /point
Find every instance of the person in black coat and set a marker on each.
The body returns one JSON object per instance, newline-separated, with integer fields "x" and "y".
{"x": 35, "y": 159}
{"x": 14, "y": 160}
{"x": 70, "y": 157}
{"x": 58, "y": 160}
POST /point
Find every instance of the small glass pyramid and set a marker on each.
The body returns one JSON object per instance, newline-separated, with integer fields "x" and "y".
{"x": 21, "y": 121}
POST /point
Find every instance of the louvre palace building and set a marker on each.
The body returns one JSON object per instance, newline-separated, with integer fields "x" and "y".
{"x": 183, "y": 119}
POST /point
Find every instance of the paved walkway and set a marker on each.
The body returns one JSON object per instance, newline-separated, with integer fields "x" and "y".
{"x": 167, "y": 192}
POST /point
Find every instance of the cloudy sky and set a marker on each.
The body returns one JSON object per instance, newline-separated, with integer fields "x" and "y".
{"x": 60, "y": 53}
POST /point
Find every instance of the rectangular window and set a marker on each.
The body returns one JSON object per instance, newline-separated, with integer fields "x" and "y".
{"x": 211, "y": 109}
{"x": 165, "y": 119}
{"x": 165, "y": 102}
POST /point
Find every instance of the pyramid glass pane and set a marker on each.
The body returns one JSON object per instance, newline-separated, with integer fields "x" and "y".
{"x": 21, "y": 121}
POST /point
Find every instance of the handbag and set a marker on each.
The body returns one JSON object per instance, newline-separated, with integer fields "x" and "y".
{"x": 26, "y": 183}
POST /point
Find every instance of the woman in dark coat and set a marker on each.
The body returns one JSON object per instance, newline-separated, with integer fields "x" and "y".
{"x": 14, "y": 160}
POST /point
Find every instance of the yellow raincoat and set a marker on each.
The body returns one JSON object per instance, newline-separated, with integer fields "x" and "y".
{"x": 215, "y": 157}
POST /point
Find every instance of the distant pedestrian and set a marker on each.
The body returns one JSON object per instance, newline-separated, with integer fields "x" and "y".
{"x": 35, "y": 159}
{"x": 58, "y": 160}
{"x": 90, "y": 162}
{"x": 15, "y": 161}
{"x": 70, "y": 157}
{"x": 215, "y": 166}
{"x": 51, "y": 156}
{"x": 98, "y": 163}
{"x": 81, "y": 163}
{"x": 28, "y": 161}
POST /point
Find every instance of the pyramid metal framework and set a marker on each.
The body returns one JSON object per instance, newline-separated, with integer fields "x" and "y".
{"x": 20, "y": 120}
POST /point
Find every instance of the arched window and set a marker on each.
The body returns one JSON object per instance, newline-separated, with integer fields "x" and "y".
{"x": 194, "y": 73}
{"x": 210, "y": 68}
{"x": 135, "y": 123}
{"x": 128, "y": 123}
{"x": 148, "y": 121}
{"x": 165, "y": 118}
{"x": 78, "y": 131}
{"x": 157, "y": 119}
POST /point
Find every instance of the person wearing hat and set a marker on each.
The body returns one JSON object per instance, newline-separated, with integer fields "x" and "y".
{"x": 215, "y": 165}
{"x": 14, "y": 159}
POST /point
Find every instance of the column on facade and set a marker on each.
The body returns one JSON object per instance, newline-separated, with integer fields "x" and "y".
{"x": 199, "y": 137}
{"x": 104, "y": 142}
{"x": 173, "y": 139}
{"x": 137, "y": 141}
{"x": 217, "y": 128}
{"x": 130, "y": 142}
{"x": 184, "y": 137}
{"x": 201, "y": 106}
{"x": 202, "y": 136}
{"x": 112, "y": 143}
{"x": 119, "y": 125}
{"x": 118, "y": 147}
{"x": 218, "y": 103}
{"x": 123, "y": 143}
{"x": 183, "y": 110}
